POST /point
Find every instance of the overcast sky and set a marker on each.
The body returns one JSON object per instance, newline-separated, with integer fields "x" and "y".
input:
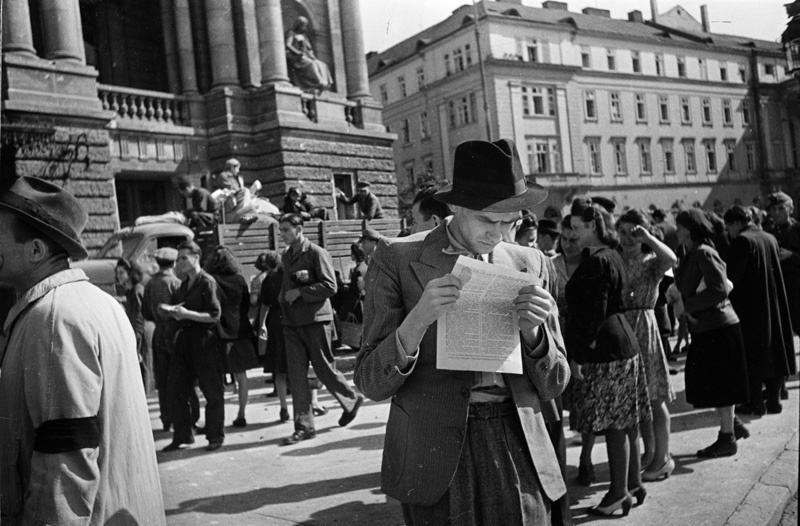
{"x": 387, "y": 22}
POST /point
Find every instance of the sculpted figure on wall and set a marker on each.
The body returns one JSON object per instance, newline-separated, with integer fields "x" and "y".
{"x": 306, "y": 71}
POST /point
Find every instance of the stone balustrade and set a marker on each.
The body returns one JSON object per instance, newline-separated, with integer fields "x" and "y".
{"x": 144, "y": 106}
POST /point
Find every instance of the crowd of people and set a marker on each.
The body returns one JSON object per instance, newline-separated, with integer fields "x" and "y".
{"x": 486, "y": 447}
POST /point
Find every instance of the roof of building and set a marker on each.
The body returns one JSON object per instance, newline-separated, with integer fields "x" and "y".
{"x": 590, "y": 23}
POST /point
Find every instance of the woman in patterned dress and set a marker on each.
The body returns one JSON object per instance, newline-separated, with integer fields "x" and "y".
{"x": 610, "y": 396}
{"x": 646, "y": 260}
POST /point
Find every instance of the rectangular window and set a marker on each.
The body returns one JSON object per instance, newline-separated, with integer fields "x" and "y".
{"x": 421, "y": 77}
{"x": 682, "y": 67}
{"x": 711, "y": 156}
{"x": 645, "y": 159}
{"x": 746, "y": 112}
{"x": 616, "y": 107}
{"x": 611, "y": 59}
{"x": 595, "y": 165}
{"x": 620, "y": 159}
{"x": 668, "y": 156}
{"x": 663, "y": 109}
{"x": 727, "y": 112}
{"x": 586, "y": 58}
{"x": 723, "y": 72}
{"x": 660, "y": 65}
{"x": 703, "y": 65}
{"x": 424, "y": 126}
{"x": 743, "y": 73}
{"x": 448, "y": 68}
{"x": 769, "y": 70}
{"x": 401, "y": 83}
{"x": 641, "y": 108}
{"x": 590, "y": 105}
{"x": 730, "y": 155}
{"x": 468, "y": 54}
{"x": 691, "y": 160}
{"x": 406, "y": 132}
{"x": 544, "y": 155}
{"x": 750, "y": 150}
{"x": 384, "y": 94}
{"x": 636, "y": 62}
{"x": 538, "y": 101}
{"x": 427, "y": 165}
{"x": 408, "y": 169}
{"x": 533, "y": 51}
{"x": 458, "y": 60}
{"x": 706, "y": 105}
{"x": 686, "y": 111}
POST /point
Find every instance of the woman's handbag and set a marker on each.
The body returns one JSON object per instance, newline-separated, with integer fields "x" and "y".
{"x": 351, "y": 332}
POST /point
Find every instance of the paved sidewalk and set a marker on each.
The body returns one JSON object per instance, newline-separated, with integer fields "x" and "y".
{"x": 334, "y": 479}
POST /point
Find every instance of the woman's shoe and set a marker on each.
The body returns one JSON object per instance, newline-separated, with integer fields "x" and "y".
{"x": 284, "y": 414}
{"x": 739, "y": 430}
{"x": 664, "y": 471}
{"x": 319, "y": 410}
{"x": 586, "y": 475}
{"x": 240, "y": 422}
{"x": 640, "y": 493}
{"x": 725, "y": 446}
{"x": 625, "y": 504}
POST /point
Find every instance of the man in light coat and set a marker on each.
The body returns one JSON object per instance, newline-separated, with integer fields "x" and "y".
{"x": 75, "y": 441}
{"x": 464, "y": 444}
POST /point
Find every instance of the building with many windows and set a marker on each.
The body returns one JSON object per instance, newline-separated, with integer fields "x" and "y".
{"x": 643, "y": 111}
{"x": 113, "y": 99}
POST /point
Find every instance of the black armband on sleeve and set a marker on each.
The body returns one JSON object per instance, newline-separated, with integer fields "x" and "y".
{"x": 67, "y": 434}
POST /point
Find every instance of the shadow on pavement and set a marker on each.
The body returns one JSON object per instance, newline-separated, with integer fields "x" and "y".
{"x": 360, "y": 513}
{"x": 364, "y": 443}
{"x": 234, "y": 503}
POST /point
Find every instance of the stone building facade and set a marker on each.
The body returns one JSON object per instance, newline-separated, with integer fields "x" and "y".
{"x": 115, "y": 98}
{"x": 645, "y": 111}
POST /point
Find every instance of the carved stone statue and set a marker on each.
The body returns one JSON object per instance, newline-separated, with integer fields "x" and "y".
{"x": 306, "y": 71}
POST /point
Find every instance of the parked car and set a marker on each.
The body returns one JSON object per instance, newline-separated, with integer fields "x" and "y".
{"x": 137, "y": 244}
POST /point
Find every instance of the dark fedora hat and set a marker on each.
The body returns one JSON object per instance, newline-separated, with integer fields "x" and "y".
{"x": 49, "y": 209}
{"x": 488, "y": 176}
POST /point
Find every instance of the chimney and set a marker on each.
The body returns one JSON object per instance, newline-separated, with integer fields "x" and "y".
{"x": 654, "y": 10}
{"x": 704, "y": 18}
{"x": 605, "y": 13}
{"x": 552, "y": 4}
{"x": 636, "y": 16}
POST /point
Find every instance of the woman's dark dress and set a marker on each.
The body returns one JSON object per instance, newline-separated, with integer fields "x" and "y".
{"x": 275, "y": 359}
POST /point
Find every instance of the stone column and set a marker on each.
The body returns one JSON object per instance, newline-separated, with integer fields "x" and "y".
{"x": 355, "y": 62}
{"x": 62, "y": 31}
{"x": 170, "y": 51}
{"x": 221, "y": 43}
{"x": 17, "y": 34}
{"x": 185, "y": 44}
{"x": 272, "y": 46}
{"x": 244, "y": 14}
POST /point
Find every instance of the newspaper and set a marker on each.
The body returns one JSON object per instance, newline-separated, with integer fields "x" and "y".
{"x": 482, "y": 334}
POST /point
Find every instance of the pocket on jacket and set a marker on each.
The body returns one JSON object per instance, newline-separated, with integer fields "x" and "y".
{"x": 394, "y": 447}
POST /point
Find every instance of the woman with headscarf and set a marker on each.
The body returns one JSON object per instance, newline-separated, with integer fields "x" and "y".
{"x": 609, "y": 386}
{"x": 646, "y": 260}
{"x": 235, "y": 330}
{"x": 716, "y": 374}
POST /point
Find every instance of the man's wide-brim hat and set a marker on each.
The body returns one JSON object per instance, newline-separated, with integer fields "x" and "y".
{"x": 488, "y": 176}
{"x": 49, "y": 209}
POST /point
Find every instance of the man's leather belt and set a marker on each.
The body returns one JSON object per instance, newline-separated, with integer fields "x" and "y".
{"x": 487, "y": 410}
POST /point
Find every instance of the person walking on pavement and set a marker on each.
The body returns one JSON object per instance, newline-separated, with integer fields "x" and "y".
{"x": 75, "y": 439}
{"x": 464, "y": 445}
{"x": 197, "y": 357}
{"x": 160, "y": 289}
{"x": 308, "y": 284}
{"x": 368, "y": 203}
{"x": 759, "y": 299}
{"x": 716, "y": 372}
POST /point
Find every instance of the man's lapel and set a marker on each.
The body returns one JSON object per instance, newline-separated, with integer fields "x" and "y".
{"x": 433, "y": 262}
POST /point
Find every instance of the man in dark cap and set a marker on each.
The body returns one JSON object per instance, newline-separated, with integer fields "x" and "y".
{"x": 75, "y": 443}
{"x": 786, "y": 230}
{"x": 759, "y": 299}
{"x": 547, "y": 233}
{"x": 368, "y": 203}
{"x": 466, "y": 444}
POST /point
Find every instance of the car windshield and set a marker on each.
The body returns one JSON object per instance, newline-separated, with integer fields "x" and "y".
{"x": 120, "y": 245}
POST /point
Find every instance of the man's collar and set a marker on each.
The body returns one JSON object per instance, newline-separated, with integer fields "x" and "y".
{"x": 304, "y": 245}
{"x": 41, "y": 289}
{"x": 456, "y": 247}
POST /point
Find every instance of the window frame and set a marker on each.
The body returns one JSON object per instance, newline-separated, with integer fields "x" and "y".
{"x": 590, "y": 96}
{"x": 620, "y": 154}
{"x": 686, "y": 110}
{"x": 645, "y": 157}
{"x": 615, "y": 103}
{"x": 640, "y": 103}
